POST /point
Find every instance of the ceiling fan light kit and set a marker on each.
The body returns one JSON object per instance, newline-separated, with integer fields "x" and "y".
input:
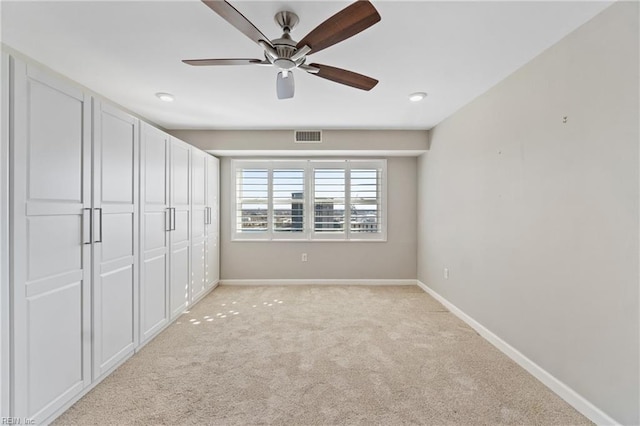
{"x": 285, "y": 85}
{"x": 286, "y": 54}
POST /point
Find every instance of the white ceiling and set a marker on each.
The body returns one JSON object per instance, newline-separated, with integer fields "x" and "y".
{"x": 129, "y": 50}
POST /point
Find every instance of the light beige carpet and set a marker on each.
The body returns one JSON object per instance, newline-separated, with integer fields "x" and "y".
{"x": 320, "y": 355}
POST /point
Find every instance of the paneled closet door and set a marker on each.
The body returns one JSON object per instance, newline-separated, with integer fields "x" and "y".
{"x": 154, "y": 232}
{"x": 51, "y": 244}
{"x": 180, "y": 243}
{"x": 199, "y": 220}
{"x": 212, "y": 271}
{"x": 115, "y": 227}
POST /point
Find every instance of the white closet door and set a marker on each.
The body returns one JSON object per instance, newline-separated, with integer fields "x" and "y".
{"x": 51, "y": 155}
{"x": 180, "y": 196}
{"x": 154, "y": 232}
{"x": 115, "y": 192}
{"x": 212, "y": 274}
{"x": 199, "y": 219}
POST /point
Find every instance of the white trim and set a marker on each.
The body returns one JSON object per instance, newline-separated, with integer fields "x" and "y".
{"x": 300, "y": 240}
{"x": 166, "y": 325}
{"x": 638, "y": 301}
{"x": 288, "y": 281}
{"x": 5, "y": 318}
{"x": 203, "y": 295}
{"x": 16, "y": 244}
{"x": 574, "y": 399}
{"x": 309, "y": 166}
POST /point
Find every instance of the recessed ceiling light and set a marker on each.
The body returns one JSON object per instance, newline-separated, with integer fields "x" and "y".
{"x": 417, "y": 97}
{"x": 167, "y": 97}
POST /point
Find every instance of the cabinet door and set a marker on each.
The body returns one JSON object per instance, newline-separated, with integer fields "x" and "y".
{"x": 199, "y": 219}
{"x": 154, "y": 230}
{"x": 115, "y": 275}
{"x": 212, "y": 271}
{"x": 51, "y": 159}
{"x": 180, "y": 243}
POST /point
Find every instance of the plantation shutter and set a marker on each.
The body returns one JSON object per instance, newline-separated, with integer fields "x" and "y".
{"x": 365, "y": 191}
{"x": 252, "y": 200}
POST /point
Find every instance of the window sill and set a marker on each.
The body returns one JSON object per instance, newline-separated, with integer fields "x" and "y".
{"x": 299, "y": 240}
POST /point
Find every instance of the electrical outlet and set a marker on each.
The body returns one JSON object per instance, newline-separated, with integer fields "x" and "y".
{"x": 446, "y": 273}
{"x": 304, "y": 257}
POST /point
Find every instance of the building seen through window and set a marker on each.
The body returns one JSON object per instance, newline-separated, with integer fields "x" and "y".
{"x": 344, "y": 201}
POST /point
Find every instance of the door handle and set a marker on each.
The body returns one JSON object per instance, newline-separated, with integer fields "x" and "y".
{"x": 167, "y": 218}
{"x": 207, "y": 216}
{"x": 172, "y": 219}
{"x": 100, "y": 227}
{"x": 87, "y": 231}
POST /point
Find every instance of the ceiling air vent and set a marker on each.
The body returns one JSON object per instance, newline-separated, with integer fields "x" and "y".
{"x": 308, "y": 136}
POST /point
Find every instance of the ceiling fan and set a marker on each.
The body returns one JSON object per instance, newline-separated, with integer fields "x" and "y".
{"x": 287, "y": 54}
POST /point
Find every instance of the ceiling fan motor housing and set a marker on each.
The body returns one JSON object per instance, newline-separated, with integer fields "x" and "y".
{"x": 284, "y": 46}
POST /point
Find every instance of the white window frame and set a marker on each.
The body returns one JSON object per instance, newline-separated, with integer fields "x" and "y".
{"x": 308, "y": 233}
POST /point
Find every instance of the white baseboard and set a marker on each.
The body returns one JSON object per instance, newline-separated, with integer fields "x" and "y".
{"x": 574, "y": 399}
{"x": 204, "y": 294}
{"x": 320, "y": 282}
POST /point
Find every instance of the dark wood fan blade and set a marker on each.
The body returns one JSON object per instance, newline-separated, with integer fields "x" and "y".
{"x": 348, "y": 22}
{"x": 205, "y": 62}
{"x": 341, "y": 76}
{"x": 237, "y": 19}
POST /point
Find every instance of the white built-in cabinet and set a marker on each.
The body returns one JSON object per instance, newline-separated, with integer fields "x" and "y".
{"x": 155, "y": 225}
{"x": 179, "y": 225}
{"x": 54, "y": 232}
{"x": 114, "y": 234}
{"x": 204, "y": 219}
{"x": 179, "y": 192}
{"x": 212, "y": 228}
{"x": 199, "y": 219}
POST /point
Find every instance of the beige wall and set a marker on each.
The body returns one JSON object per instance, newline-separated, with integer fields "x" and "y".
{"x": 393, "y": 259}
{"x": 537, "y": 220}
{"x": 396, "y": 141}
